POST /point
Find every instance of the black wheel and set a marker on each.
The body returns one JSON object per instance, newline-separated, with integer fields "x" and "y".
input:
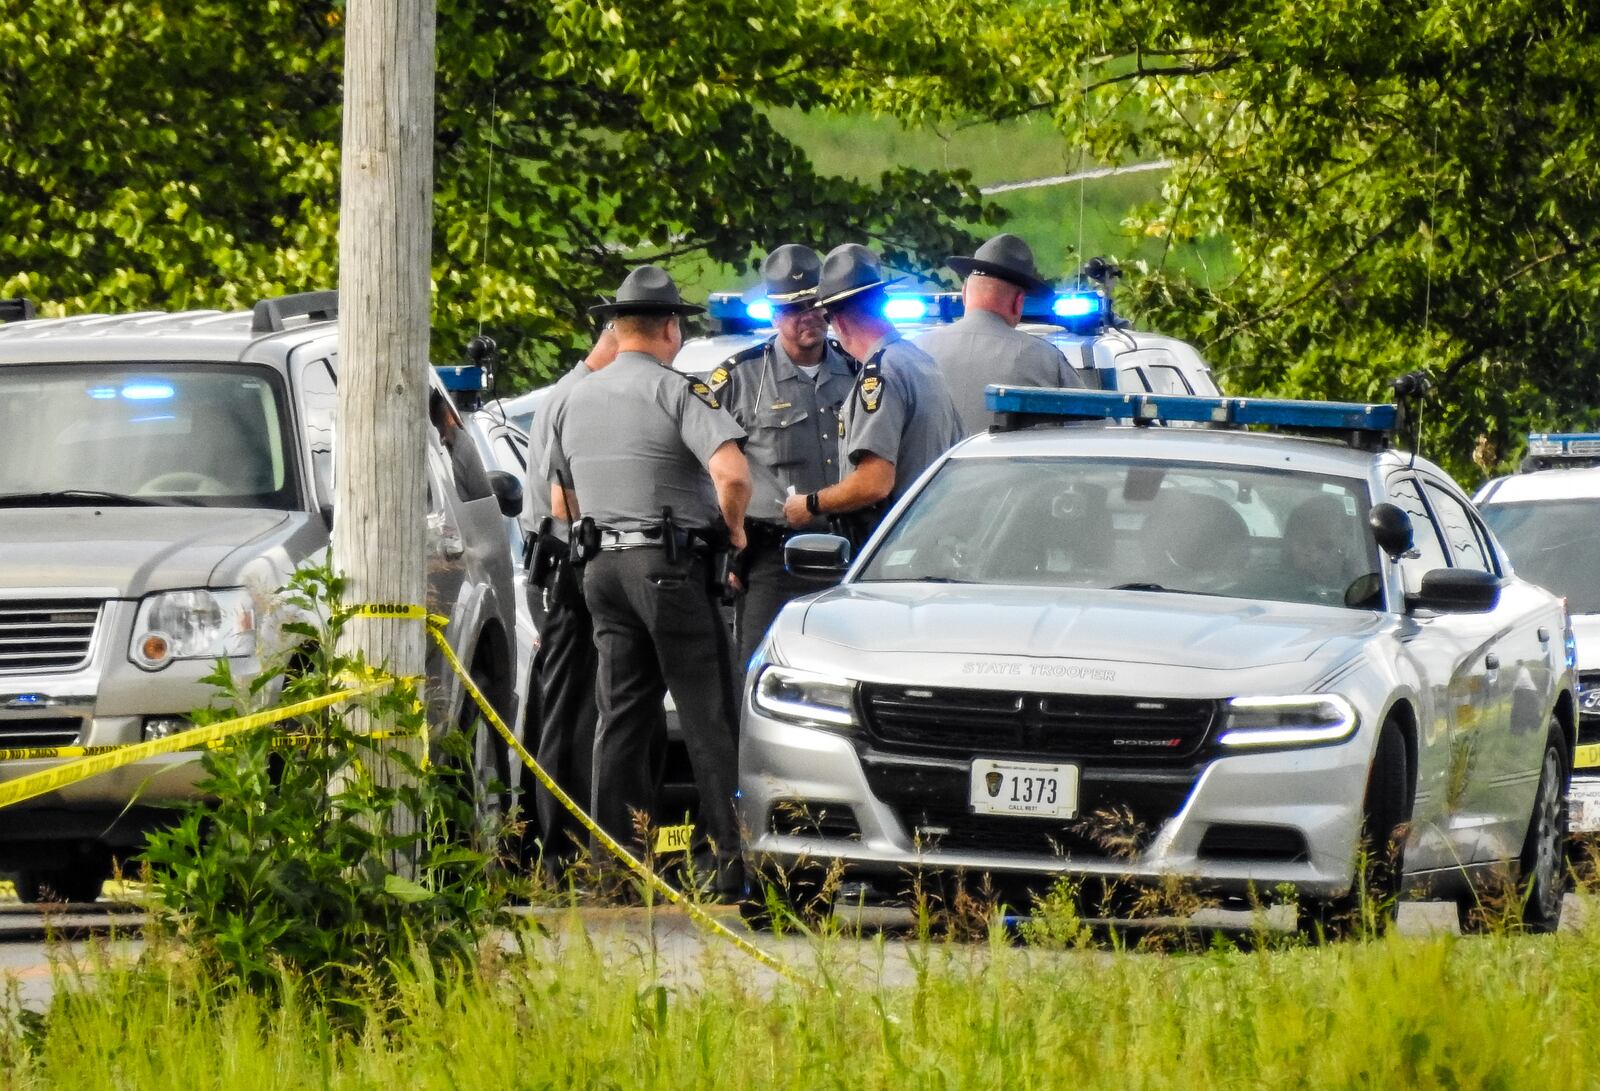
{"x": 798, "y": 894}
{"x": 1543, "y": 864}
{"x": 1373, "y": 899}
{"x": 77, "y": 882}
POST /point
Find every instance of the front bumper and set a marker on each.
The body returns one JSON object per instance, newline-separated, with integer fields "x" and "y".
{"x": 1230, "y": 824}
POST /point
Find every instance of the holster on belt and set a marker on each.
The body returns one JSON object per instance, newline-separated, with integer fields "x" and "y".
{"x": 858, "y": 525}
{"x": 585, "y": 541}
{"x": 724, "y": 561}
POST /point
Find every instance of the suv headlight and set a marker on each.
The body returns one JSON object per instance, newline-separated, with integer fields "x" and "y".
{"x": 193, "y": 625}
{"x": 1306, "y": 720}
{"x": 817, "y": 700}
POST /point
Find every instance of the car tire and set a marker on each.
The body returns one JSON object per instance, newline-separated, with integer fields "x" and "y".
{"x": 1542, "y": 867}
{"x": 1374, "y": 893}
{"x": 77, "y": 883}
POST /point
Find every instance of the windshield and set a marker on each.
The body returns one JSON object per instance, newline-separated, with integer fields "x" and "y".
{"x": 208, "y": 435}
{"x": 1553, "y": 543}
{"x": 1139, "y": 525}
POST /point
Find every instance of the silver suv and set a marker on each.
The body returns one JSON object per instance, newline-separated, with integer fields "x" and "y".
{"x": 1116, "y": 652}
{"x": 164, "y": 475}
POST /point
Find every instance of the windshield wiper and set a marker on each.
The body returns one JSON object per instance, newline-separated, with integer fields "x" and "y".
{"x": 78, "y": 497}
{"x": 1140, "y": 587}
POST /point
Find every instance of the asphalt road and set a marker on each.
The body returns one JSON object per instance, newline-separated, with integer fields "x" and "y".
{"x": 37, "y": 945}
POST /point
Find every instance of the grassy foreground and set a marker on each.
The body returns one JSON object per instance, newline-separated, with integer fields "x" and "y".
{"x": 1492, "y": 1012}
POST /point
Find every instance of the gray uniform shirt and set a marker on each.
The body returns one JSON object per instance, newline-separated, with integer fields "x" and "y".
{"x": 980, "y": 349}
{"x": 793, "y": 422}
{"x": 636, "y": 437}
{"x": 536, "y": 493}
{"x": 900, "y": 409}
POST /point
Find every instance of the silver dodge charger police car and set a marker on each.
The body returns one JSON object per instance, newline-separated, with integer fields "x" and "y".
{"x": 1130, "y": 653}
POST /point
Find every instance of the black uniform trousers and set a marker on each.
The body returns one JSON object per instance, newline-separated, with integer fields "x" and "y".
{"x": 768, "y": 588}
{"x": 657, "y": 629}
{"x": 564, "y": 670}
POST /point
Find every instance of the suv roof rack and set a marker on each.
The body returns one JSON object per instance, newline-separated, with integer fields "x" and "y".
{"x": 271, "y": 314}
{"x": 1366, "y": 425}
{"x": 17, "y": 310}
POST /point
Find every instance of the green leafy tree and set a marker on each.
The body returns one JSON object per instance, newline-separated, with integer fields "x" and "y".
{"x": 185, "y": 154}
{"x": 1403, "y": 185}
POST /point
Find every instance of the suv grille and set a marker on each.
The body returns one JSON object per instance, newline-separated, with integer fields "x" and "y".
{"x": 979, "y": 723}
{"x": 51, "y": 731}
{"x": 46, "y": 634}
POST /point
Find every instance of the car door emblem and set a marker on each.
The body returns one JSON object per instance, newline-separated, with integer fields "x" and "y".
{"x": 30, "y": 700}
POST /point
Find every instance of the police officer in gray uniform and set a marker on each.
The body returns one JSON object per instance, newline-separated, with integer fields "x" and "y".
{"x": 984, "y": 346}
{"x": 899, "y": 417}
{"x": 788, "y": 394}
{"x": 646, "y": 459}
{"x": 565, "y": 665}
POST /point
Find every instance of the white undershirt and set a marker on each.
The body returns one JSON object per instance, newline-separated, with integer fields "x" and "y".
{"x": 810, "y": 370}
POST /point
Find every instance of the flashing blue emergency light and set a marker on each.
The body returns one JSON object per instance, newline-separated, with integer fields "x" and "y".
{"x": 102, "y": 393}
{"x": 1077, "y": 304}
{"x": 1564, "y": 444}
{"x": 1081, "y": 311}
{"x": 147, "y": 392}
{"x": 759, "y": 311}
{"x": 461, "y": 377}
{"x": 905, "y": 308}
{"x": 1024, "y": 406}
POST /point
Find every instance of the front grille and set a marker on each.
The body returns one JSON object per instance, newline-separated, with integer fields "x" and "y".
{"x": 46, "y": 634}
{"x": 1120, "y": 811}
{"x": 1277, "y": 844}
{"x": 1588, "y": 707}
{"x": 39, "y": 731}
{"x": 802, "y": 818}
{"x": 985, "y": 723}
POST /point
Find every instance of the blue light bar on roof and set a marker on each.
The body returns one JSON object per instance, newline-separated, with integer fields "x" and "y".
{"x": 905, "y": 308}
{"x": 1564, "y": 444}
{"x": 463, "y": 377}
{"x": 1110, "y": 405}
{"x": 759, "y": 311}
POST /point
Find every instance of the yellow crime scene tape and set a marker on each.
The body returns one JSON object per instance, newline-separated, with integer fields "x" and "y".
{"x": 436, "y": 626}
{"x": 94, "y": 761}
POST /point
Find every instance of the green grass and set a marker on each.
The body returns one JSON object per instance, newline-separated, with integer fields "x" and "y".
{"x": 1492, "y": 1012}
{"x": 1059, "y": 222}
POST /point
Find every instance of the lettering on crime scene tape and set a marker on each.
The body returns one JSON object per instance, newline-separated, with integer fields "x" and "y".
{"x": 674, "y": 838}
{"x": 1586, "y": 756}
{"x": 33, "y": 785}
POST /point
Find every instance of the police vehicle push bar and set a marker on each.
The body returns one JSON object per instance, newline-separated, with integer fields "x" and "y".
{"x": 1021, "y": 406}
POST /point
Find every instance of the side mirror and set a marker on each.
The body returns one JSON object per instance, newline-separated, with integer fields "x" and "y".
{"x": 1457, "y": 591}
{"x": 508, "y": 490}
{"x": 816, "y": 556}
{"x": 1391, "y": 528}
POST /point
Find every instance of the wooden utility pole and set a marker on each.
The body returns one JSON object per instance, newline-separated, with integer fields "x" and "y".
{"x": 385, "y": 247}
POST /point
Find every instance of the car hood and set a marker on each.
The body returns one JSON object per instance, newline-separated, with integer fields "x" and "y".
{"x": 1108, "y": 626}
{"x": 124, "y": 552}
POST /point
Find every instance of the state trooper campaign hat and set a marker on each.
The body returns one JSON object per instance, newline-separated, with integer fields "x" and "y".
{"x": 646, "y": 290}
{"x": 788, "y": 275}
{"x": 1006, "y": 257}
{"x": 847, "y": 271}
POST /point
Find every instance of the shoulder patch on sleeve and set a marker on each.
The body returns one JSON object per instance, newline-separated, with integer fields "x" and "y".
{"x": 724, "y": 371}
{"x": 704, "y": 393}
{"x": 870, "y": 383}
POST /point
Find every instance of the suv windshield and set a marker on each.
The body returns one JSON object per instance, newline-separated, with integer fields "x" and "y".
{"x": 1553, "y": 543}
{"x": 1139, "y": 524}
{"x": 91, "y": 433}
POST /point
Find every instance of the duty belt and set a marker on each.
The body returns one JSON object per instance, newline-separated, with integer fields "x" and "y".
{"x": 639, "y": 539}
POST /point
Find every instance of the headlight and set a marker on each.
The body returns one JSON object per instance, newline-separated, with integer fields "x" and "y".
{"x": 193, "y": 625}
{"x": 802, "y": 697}
{"x": 1287, "y": 721}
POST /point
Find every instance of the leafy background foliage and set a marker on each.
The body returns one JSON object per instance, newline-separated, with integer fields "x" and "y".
{"x": 1395, "y": 185}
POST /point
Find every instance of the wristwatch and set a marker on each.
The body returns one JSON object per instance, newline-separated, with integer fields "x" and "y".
{"x": 812, "y": 504}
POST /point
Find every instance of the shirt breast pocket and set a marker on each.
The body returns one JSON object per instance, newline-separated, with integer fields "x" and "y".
{"x": 782, "y": 433}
